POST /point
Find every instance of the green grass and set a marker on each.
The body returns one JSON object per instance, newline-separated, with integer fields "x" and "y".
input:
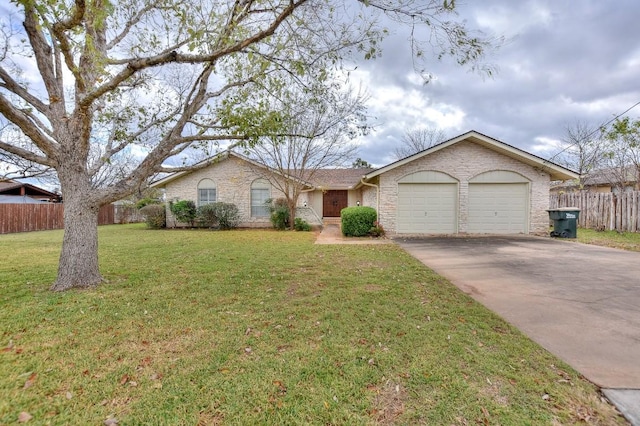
{"x": 625, "y": 240}
{"x": 263, "y": 327}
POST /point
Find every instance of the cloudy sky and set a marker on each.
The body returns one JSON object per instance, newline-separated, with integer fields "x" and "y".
{"x": 562, "y": 61}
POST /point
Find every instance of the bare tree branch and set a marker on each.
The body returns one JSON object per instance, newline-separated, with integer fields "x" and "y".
{"x": 13, "y": 86}
{"x": 23, "y": 153}
{"x": 23, "y": 121}
{"x": 418, "y": 139}
{"x": 173, "y": 56}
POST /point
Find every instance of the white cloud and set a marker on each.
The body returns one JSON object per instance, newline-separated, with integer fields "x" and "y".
{"x": 512, "y": 17}
{"x": 545, "y": 146}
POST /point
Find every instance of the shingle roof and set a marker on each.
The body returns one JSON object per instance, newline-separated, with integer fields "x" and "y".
{"x": 337, "y": 178}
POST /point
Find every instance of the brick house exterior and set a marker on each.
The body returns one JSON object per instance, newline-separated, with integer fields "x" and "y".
{"x": 489, "y": 187}
{"x": 468, "y": 159}
{"x": 233, "y": 175}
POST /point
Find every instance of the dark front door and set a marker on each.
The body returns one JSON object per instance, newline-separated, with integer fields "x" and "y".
{"x": 333, "y": 202}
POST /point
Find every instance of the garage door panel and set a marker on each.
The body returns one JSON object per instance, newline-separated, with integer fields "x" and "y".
{"x": 427, "y": 208}
{"x": 500, "y": 208}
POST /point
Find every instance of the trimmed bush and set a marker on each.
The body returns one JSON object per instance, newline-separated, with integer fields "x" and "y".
{"x": 279, "y": 213}
{"x": 301, "y": 225}
{"x": 184, "y": 211}
{"x": 221, "y": 215}
{"x": 227, "y": 214}
{"x": 207, "y": 216}
{"x": 357, "y": 221}
{"x": 155, "y": 216}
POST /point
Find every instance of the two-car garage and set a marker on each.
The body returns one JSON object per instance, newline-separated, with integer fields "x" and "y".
{"x": 469, "y": 184}
{"x": 431, "y": 202}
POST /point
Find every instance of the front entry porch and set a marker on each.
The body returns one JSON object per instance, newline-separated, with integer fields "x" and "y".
{"x": 333, "y": 202}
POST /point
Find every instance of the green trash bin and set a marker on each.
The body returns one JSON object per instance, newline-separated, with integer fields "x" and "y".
{"x": 565, "y": 222}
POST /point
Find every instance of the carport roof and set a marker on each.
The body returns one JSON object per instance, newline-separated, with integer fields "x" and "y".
{"x": 555, "y": 171}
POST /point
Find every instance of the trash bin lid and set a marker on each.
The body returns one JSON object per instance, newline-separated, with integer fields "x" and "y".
{"x": 568, "y": 209}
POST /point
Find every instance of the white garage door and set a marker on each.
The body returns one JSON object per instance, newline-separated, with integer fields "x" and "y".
{"x": 498, "y": 208}
{"x": 427, "y": 208}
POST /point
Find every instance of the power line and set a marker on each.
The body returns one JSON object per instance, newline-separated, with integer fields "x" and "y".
{"x": 597, "y": 129}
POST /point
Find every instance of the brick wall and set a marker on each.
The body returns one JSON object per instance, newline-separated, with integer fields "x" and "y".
{"x": 233, "y": 178}
{"x": 463, "y": 161}
{"x": 309, "y": 215}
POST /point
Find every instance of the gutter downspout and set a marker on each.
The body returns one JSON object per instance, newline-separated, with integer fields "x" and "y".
{"x": 377, "y": 194}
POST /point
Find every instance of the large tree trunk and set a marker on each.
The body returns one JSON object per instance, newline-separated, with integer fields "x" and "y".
{"x": 78, "y": 266}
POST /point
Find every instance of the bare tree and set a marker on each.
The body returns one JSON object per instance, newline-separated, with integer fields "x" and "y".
{"x": 418, "y": 139}
{"x": 137, "y": 83}
{"x": 319, "y": 132}
{"x": 584, "y": 151}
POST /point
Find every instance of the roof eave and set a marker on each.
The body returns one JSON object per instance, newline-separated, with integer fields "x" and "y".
{"x": 176, "y": 175}
{"x": 224, "y": 155}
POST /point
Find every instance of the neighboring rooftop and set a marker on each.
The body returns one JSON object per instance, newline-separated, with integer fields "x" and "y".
{"x": 10, "y": 187}
{"x": 607, "y": 177}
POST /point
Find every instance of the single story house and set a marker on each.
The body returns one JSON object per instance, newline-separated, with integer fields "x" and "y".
{"x": 14, "y": 192}
{"x": 469, "y": 184}
{"x": 234, "y": 178}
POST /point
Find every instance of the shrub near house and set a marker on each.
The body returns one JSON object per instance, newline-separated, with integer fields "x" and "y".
{"x": 184, "y": 211}
{"x": 358, "y": 221}
{"x": 219, "y": 214}
{"x": 214, "y": 215}
{"x": 155, "y": 216}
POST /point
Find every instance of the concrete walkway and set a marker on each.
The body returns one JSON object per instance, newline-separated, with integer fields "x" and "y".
{"x": 580, "y": 302}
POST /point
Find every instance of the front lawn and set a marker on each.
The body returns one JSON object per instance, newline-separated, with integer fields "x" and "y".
{"x": 264, "y": 327}
{"x": 622, "y": 240}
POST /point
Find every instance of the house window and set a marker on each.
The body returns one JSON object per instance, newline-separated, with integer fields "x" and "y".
{"x": 260, "y": 192}
{"x": 206, "y": 192}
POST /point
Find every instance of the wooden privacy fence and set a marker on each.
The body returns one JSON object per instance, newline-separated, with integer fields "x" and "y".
{"x": 603, "y": 211}
{"x": 41, "y": 217}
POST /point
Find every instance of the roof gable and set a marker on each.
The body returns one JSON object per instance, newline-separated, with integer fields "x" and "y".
{"x": 556, "y": 171}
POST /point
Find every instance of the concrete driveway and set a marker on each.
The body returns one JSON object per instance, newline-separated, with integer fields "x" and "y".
{"x": 580, "y": 302}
